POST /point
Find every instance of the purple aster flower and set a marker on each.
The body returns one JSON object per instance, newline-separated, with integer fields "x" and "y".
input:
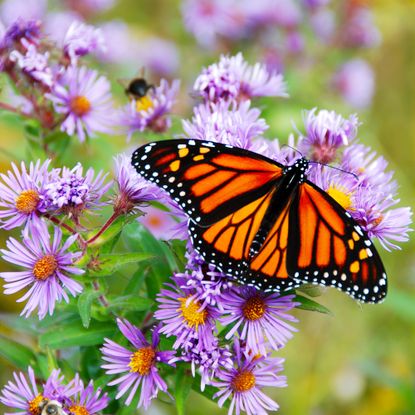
{"x": 138, "y": 366}
{"x": 228, "y": 123}
{"x": 160, "y": 223}
{"x": 149, "y": 112}
{"x": 133, "y": 189}
{"x": 69, "y": 191}
{"x": 360, "y": 29}
{"x": 258, "y": 317}
{"x": 183, "y": 317}
{"x": 326, "y": 132}
{"x": 244, "y": 382}
{"x": 87, "y": 400}
{"x": 121, "y": 47}
{"x": 233, "y": 78}
{"x": 160, "y": 56}
{"x": 208, "y": 20}
{"x": 47, "y": 266}
{"x": 20, "y": 29}
{"x": 374, "y": 212}
{"x": 21, "y": 193}
{"x": 82, "y": 39}
{"x": 284, "y": 154}
{"x": 56, "y": 25}
{"x": 355, "y": 80}
{"x": 85, "y": 100}
{"x": 26, "y": 395}
{"x": 323, "y": 23}
{"x": 33, "y": 63}
{"x": 369, "y": 168}
{"x": 12, "y": 10}
{"x": 208, "y": 283}
{"x": 205, "y": 361}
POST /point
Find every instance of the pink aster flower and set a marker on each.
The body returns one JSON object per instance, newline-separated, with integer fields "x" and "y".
{"x": 150, "y": 112}
{"x": 82, "y": 39}
{"x": 244, "y": 382}
{"x": 258, "y": 318}
{"x": 21, "y": 193}
{"x": 233, "y": 78}
{"x": 84, "y": 99}
{"x": 12, "y": 10}
{"x": 47, "y": 265}
{"x": 137, "y": 367}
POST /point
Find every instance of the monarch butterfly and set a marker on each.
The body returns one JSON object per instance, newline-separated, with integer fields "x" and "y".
{"x": 261, "y": 222}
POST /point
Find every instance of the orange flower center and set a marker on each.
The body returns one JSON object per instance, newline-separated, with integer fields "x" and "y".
{"x": 254, "y": 308}
{"x": 142, "y": 360}
{"x": 80, "y": 105}
{"x": 378, "y": 220}
{"x": 27, "y": 201}
{"x": 243, "y": 381}
{"x": 45, "y": 267}
{"x": 34, "y": 405}
{"x": 191, "y": 312}
{"x": 154, "y": 221}
{"x": 78, "y": 410}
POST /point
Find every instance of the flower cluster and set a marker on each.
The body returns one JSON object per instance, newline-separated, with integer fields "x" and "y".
{"x": 31, "y": 397}
{"x": 281, "y": 31}
{"x": 61, "y": 92}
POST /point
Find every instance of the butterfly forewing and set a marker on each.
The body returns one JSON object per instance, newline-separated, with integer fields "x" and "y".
{"x": 208, "y": 180}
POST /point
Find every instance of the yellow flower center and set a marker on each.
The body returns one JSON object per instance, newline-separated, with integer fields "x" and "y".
{"x": 142, "y": 360}
{"x": 80, "y": 105}
{"x": 191, "y": 312}
{"x": 340, "y": 195}
{"x": 254, "y": 308}
{"x": 78, "y": 410}
{"x": 34, "y": 405}
{"x": 143, "y": 104}
{"x": 27, "y": 201}
{"x": 243, "y": 381}
{"x": 45, "y": 267}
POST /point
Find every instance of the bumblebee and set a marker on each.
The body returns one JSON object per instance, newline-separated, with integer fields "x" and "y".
{"x": 51, "y": 407}
{"x": 138, "y": 88}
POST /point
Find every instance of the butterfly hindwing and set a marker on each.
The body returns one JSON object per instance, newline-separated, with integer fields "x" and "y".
{"x": 208, "y": 180}
{"x": 329, "y": 248}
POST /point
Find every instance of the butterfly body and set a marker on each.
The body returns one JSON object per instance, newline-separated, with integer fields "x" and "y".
{"x": 263, "y": 223}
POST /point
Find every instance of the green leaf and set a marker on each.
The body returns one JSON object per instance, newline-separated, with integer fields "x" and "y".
{"x": 46, "y": 362}
{"x": 130, "y": 303}
{"x": 183, "y": 384}
{"x": 19, "y": 355}
{"x": 84, "y": 306}
{"x": 74, "y": 334}
{"x": 311, "y": 305}
{"x": 310, "y": 290}
{"x": 109, "y": 263}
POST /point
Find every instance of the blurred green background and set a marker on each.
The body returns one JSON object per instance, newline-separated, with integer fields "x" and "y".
{"x": 360, "y": 360}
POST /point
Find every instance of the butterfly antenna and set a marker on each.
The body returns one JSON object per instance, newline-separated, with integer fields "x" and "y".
{"x": 333, "y": 167}
{"x": 292, "y": 148}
